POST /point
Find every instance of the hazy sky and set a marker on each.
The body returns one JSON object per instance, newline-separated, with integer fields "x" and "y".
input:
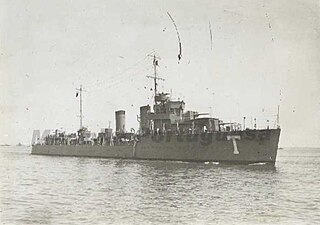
{"x": 48, "y": 48}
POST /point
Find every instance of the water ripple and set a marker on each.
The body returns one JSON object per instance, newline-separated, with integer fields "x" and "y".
{"x": 70, "y": 190}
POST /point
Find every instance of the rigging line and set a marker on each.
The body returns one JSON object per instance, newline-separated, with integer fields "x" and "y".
{"x": 120, "y": 75}
{"x": 210, "y": 35}
{"x": 123, "y": 79}
{"x": 116, "y": 83}
{"x": 179, "y": 40}
{"x": 123, "y": 73}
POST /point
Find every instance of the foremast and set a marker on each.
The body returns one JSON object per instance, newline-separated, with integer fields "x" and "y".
{"x": 155, "y": 77}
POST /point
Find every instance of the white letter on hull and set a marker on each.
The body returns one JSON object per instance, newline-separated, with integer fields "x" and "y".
{"x": 235, "y": 147}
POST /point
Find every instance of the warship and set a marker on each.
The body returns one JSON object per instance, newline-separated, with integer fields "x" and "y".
{"x": 166, "y": 132}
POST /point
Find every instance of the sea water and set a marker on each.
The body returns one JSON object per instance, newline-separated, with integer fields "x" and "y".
{"x": 69, "y": 190}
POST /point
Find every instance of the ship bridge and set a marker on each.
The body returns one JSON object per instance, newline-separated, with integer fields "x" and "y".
{"x": 168, "y": 116}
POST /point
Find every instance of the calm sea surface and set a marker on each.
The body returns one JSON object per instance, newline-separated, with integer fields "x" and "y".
{"x": 69, "y": 190}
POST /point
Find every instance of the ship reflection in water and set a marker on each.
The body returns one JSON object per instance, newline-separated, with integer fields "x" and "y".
{"x": 77, "y": 190}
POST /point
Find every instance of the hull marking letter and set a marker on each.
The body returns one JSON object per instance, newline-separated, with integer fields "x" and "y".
{"x": 235, "y": 147}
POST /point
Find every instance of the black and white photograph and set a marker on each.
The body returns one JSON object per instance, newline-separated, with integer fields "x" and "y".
{"x": 160, "y": 112}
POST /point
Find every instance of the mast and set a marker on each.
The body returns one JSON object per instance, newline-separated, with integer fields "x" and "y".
{"x": 155, "y": 62}
{"x": 278, "y": 117}
{"x": 278, "y": 113}
{"x": 81, "y": 116}
{"x": 154, "y": 77}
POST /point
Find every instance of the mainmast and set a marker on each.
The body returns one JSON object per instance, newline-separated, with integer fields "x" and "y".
{"x": 81, "y": 116}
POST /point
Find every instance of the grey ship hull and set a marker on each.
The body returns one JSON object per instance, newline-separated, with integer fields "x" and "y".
{"x": 241, "y": 147}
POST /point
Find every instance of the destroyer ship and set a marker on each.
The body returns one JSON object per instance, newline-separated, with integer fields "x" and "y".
{"x": 166, "y": 132}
